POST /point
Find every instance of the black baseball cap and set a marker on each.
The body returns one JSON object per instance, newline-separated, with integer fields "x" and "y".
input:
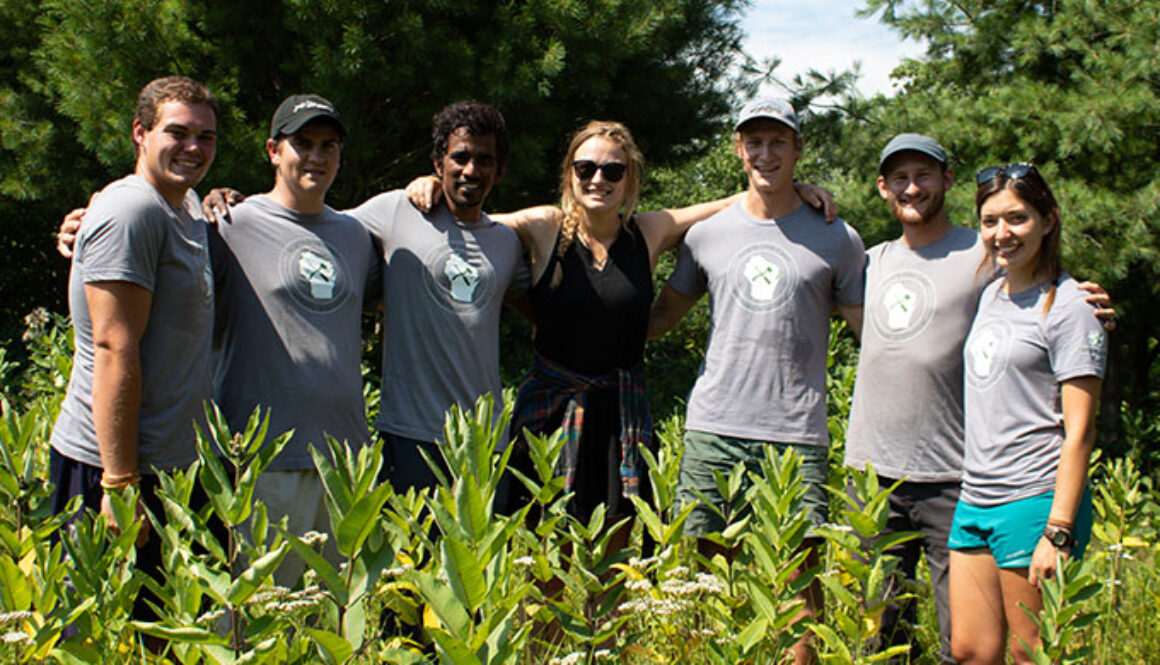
{"x": 297, "y": 110}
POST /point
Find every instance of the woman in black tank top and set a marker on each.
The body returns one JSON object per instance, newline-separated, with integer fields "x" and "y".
{"x": 592, "y": 261}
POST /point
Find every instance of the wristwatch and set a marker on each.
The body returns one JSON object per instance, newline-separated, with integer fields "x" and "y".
{"x": 1060, "y": 537}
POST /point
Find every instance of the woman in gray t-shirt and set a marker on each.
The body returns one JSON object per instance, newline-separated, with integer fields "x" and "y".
{"x": 1034, "y": 364}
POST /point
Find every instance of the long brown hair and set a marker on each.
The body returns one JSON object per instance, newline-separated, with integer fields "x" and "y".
{"x": 573, "y": 212}
{"x": 1032, "y": 189}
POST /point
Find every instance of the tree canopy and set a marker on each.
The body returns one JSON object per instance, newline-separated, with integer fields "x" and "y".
{"x": 71, "y": 71}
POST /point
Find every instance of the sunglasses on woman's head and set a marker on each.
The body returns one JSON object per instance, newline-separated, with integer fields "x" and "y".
{"x": 1017, "y": 170}
{"x": 586, "y": 169}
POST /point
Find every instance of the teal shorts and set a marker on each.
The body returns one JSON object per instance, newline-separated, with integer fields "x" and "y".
{"x": 1012, "y": 530}
{"x": 706, "y": 453}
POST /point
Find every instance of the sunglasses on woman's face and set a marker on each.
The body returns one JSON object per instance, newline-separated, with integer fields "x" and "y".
{"x": 586, "y": 169}
{"x": 1017, "y": 170}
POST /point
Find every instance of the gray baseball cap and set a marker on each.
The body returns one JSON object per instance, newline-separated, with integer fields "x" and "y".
{"x": 913, "y": 142}
{"x": 769, "y": 107}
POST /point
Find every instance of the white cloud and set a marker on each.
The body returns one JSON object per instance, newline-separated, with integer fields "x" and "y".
{"x": 825, "y": 35}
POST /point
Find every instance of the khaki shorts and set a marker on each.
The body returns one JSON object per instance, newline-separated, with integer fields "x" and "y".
{"x": 299, "y": 496}
{"x": 706, "y": 453}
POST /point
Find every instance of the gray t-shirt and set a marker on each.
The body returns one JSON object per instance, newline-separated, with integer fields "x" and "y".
{"x": 772, "y": 287}
{"x": 132, "y": 235}
{"x": 1016, "y": 358}
{"x": 444, "y": 284}
{"x": 907, "y": 415}
{"x": 287, "y": 327}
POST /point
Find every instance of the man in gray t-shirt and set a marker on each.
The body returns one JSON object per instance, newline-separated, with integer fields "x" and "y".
{"x": 291, "y": 276}
{"x": 140, "y": 294}
{"x": 445, "y": 278}
{"x": 906, "y": 419}
{"x": 774, "y": 272}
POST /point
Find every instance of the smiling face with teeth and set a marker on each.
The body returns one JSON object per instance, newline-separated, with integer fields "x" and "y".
{"x": 769, "y": 150}
{"x": 175, "y": 153}
{"x": 1013, "y": 233}
{"x": 468, "y": 170}
{"x": 598, "y": 194}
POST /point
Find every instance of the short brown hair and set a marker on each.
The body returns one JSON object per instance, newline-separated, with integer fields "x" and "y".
{"x": 171, "y": 89}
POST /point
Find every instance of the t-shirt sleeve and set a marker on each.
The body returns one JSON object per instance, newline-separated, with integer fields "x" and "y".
{"x": 377, "y": 215}
{"x": 1076, "y": 339}
{"x": 688, "y": 279}
{"x": 521, "y": 281}
{"x": 121, "y": 240}
{"x": 373, "y": 289}
{"x": 850, "y": 273}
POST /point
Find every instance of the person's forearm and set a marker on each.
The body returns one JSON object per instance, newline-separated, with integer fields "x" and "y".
{"x": 1079, "y": 399}
{"x": 116, "y": 405}
{"x": 1070, "y": 479}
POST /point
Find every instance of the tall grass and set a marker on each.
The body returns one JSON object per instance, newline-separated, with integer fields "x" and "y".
{"x": 443, "y": 576}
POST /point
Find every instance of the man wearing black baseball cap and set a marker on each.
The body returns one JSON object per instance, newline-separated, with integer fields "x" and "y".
{"x": 291, "y": 274}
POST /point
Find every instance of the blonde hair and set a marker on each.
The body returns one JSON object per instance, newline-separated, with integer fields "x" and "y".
{"x": 573, "y": 212}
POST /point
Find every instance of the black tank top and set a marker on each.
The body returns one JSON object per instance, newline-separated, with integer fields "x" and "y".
{"x": 595, "y": 320}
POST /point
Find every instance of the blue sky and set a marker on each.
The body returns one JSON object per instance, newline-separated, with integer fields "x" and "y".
{"x": 825, "y": 35}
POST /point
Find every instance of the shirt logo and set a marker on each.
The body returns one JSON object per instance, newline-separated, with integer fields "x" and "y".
{"x": 763, "y": 277}
{"x": 905, "y": 308}
{"x": 462, "y": 276}
{"x": 314, "y": 276}
{"x": 319, "y": 273}
{"x": 986, "y": 354}
{"x": 459, "y": 278}
{"x": 1097, "y": 346}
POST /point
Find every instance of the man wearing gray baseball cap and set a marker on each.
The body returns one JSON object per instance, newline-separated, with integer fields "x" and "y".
{"x": 922, "y": 290}
{"x": 774, "y": 271}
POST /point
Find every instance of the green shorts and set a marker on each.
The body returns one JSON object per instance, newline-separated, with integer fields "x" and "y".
{"x": 706, "y": 453}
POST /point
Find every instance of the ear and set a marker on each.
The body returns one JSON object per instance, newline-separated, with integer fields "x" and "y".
{"x": 738, "y": 147}
{"x": 272, "y": 151}
{"x": 948, "y": 178}
{"x": 1052, "y": 221}
{"x": 438, "y": 167}
{"x": 139, "y": 133}
{"x": 882, "y": 191}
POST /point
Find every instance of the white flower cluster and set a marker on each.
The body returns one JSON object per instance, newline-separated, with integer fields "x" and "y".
{"x": 573, "y": 658}
{"x": 638, "y": 563}
{"x": 15, "y": 637}
{"x": 314, "y": 538}
{"x": 661, "y": 607}
{"x": 210, "y": 617}
{"x": 701, "y": 583}
{"x": 398, "y": 571}
{"x": 14, "y": 617}
{"x": 638, "y": 585}
{"x": 281, "y": 599}
{"x": 524, "y": 562}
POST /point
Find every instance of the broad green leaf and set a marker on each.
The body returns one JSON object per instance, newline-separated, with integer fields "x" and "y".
{"x": 333, "y": 648}
{"x": 463, "y": 573}
{"x": 251, "y": 579}
{"x": 360, "y": 519}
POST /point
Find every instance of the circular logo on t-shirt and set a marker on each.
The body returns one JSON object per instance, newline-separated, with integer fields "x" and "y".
{"x": 905, "y": 306}
{"x": 314, "y": 275}
{"x": 458, "y": 278}
{"x": 763, "y": 277}
{"x": 987, "y": 352}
